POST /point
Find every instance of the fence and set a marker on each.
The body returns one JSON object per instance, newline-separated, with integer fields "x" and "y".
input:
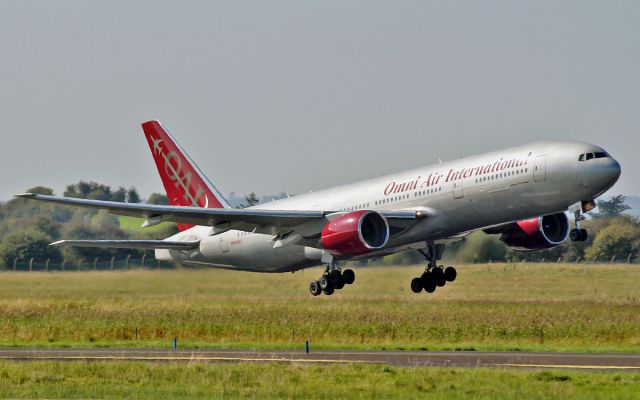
{"x": 631, "y": 258}
{"x": 101, "y": 264}
{"x": 97, "y": 264}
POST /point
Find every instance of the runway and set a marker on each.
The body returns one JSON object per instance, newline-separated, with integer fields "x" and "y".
{"x": 523, "y": 360}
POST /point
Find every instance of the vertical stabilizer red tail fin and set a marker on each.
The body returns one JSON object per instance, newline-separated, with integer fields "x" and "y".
{"x": 183, "y": 181}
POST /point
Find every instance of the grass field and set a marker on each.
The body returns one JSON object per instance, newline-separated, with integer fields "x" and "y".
{"x": 134, "y": 225}
{"x": 197, "y": 380}
{"x": 490, "y": 307}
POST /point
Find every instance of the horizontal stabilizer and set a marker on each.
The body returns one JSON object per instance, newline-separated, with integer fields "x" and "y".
{"x": 130, "y": 244}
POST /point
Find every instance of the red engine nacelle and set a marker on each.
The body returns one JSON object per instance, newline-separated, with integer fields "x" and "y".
{"x": 355, "y": 233}
{"x": 536, "y": 233}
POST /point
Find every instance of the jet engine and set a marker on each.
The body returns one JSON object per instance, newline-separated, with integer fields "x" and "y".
{"x": 536, "y": 233}
{"x": 355, "y": 233}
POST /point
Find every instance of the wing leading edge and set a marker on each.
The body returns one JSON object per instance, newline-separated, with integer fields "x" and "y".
{"x": 130, "y": 244}
{"x": 273, "y": 222}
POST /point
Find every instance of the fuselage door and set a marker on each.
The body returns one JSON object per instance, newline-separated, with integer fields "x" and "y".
{"x": 540, "y": 168}
{"x": 458, "y": 193}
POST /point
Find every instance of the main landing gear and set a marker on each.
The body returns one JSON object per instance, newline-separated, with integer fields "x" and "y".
{"x": 578, "y": 234}
{"x": 434, "y": 275}
{"x": 333, "y": 279}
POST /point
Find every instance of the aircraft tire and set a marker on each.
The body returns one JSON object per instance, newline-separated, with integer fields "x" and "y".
{"x": 339, "y": 282}
{"x": 450, "y": 274}
{"x": 348, "y": 276}
{"x": 325, "y": 282}
{"x": 328, "y": 291}
{"x": 314, "y": 288}
{"x": 575, "y": 235}
{"x": 426, "y": 279}
{"x": 416, "y": 285}
{"x": 584, "y": 235}
{"x": 431, "y": 288}
{"x": 437, "y": 275}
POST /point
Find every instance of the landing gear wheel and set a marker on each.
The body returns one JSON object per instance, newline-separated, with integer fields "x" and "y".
{"x": 325, "y": 283}
{"x": 348, "y": 276}
{"x": 328, "y": 291}
{"x": 416, "y": 285}
{"x": 428, "y": 282}
{"x": 426, "y": 279}
{"x": 583, "y": 235}
{"x": 574, "y": 235}
{"x": 450, "y": 274}
{"x": 314, "y": 288}
{"x": 438, "y": 277}
{"x": 339, "y": 281}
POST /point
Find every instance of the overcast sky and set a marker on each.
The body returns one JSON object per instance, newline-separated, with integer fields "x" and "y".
{"x": 272, "y": 96}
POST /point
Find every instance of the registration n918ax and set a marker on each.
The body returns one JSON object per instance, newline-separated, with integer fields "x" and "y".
{"x": 521, "y": 193}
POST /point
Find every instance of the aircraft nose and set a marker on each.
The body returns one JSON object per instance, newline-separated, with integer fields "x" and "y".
{"x": 615, "y": 170}
{"x": 606, "y": 174}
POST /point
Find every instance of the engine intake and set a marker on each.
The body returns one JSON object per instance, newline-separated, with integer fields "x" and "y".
{"x": 355, "y": 233}
{"x": 536, "y": 233}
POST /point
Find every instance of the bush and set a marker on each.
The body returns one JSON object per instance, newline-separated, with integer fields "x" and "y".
{"x": 619, "y": 238}
{"x": 26, "y": 244}
{"x": 480, "y": 247}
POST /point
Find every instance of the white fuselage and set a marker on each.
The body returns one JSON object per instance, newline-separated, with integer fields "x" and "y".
{"x": 458, "y": 196}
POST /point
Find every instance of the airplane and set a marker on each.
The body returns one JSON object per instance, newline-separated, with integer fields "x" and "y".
{"x": 522, "y": 193}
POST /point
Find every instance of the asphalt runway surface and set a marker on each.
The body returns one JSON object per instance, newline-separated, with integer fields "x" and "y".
{"x": 523, "y": 360}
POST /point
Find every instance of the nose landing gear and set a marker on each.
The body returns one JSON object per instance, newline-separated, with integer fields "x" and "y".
{"x": 434, "y": 275}
{"x": 578, "y": 234}
{"x": 333, "y": 279}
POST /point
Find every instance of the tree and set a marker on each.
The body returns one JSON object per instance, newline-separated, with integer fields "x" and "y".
{"x": 27, "y": 244}
{"x": 133, "y": 196}
{"x": 41, "y": 190}
{"x": 158, "y": 198}
{"x": 480, "y": 247}
{"x": 619, "y": 238}
{"x": 613, "y": 207}
{"x": 251, "y": 200}
{"x": 119, "y": 195}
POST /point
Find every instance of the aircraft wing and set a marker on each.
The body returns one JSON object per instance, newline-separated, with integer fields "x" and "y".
{"x": 274, "y": 222}
{"x": 130, "y": 244}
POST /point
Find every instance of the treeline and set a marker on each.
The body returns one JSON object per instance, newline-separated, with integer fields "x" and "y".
{"x": 28, "y": 227}
{"x": 612, "y": 235}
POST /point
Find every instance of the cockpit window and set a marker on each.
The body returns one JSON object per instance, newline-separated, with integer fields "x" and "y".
{"x": 591, "y": 156}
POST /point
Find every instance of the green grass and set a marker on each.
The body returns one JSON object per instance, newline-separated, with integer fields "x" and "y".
{"x": 134, "y": 225}
{"x": 489, "y": 307}
{"x": 198, "y": 380}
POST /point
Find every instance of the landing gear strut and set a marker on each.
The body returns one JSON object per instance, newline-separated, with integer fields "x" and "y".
{"x": 434, "y": 275}
{"x": 578, "y": 234}
{"x": 333, "y": 279}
